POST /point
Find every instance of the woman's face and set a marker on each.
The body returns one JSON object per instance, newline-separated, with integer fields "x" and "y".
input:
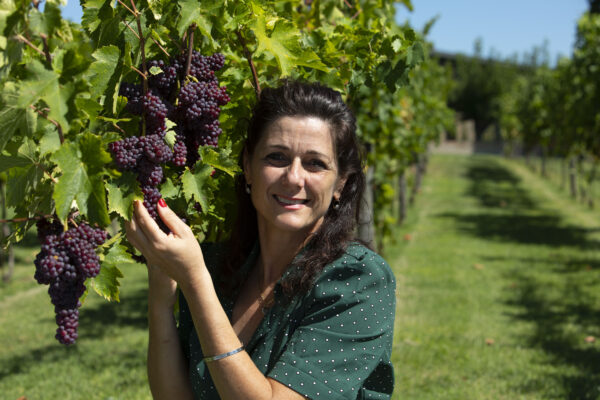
{"x": 293, "y": 175}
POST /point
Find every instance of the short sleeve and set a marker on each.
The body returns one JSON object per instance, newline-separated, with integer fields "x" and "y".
{"x": 342, "y": 345}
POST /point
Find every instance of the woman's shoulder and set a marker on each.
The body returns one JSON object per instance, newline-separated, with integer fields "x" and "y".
{"x": 358, "y": 264}
{"x": 358, "y": 255}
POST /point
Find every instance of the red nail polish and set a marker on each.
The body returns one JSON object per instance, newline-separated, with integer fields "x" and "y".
{"x": 162, "y": 203}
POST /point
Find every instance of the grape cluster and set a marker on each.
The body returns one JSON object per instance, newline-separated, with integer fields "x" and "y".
{"x": 199, "y": 105}
{"x": 195, "y": 111}
{"x": 66, "y": 260}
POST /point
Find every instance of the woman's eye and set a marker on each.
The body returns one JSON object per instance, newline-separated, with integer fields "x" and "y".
{"x": 317, "y": 164}
{"x": 276, "y": 158}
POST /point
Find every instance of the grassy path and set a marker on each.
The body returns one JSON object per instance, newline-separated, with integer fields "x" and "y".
{"x": 498, "y": 288}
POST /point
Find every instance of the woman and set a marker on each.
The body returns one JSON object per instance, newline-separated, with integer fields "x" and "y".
{"x": 294, "y": 308}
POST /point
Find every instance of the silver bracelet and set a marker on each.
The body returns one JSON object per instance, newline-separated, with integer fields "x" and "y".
{"x": 220, "y": 356}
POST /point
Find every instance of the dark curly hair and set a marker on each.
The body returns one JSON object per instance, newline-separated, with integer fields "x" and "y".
{"x": 329, "y": 242}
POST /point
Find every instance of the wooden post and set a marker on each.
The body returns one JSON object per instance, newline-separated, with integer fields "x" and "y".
{"x": 4, "y": 233}
{"x": 402, "y": 196}
{"x": 366, "y": 221}
{"x": 573, "y": 177}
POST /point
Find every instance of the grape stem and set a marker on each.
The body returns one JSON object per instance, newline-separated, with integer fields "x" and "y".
{"x": 23, "y": 39}
{"x": 131, "y": 29}
{"x": 127, "y": 8}
{"x": 23, "y": 219}
{"x": 248, "y": 56}
{"x": 46, "y": 49}
{"x": 188, "y": 63}
{"x": 55, "y": 123}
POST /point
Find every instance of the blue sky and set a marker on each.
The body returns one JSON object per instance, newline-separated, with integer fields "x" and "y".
{"x": 507, "y": 26}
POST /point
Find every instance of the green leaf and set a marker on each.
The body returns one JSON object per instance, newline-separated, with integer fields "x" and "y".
{"x": 10, "y": 120}
{"x": 102, "y": 70}
{"x": 220, "y": 159}
{"x": 50, "y": 141}
{"x": 8, "y": 162}
{"x": 283, "y": 43}
{"x": 155, "y": 6}
{"x": 195, "y": 184}
{"x": 22, "y": 181}
{"x": 106, "y": 284}
{"x": 42, "y": 84}
{"x": 122, "y": 193}
{"x": 46, "y": 22}
{"x": 82, "y": 180}
{"x": 191, "y": 12}
{"x": 154, "y": 70}
{"x": 169, "y": 190}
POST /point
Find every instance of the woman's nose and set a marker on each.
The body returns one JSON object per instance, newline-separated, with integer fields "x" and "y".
{"x": 295, "y": 173}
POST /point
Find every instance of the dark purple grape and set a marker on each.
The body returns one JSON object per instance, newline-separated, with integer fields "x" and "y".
{"x": 126, "y": 152}
{"x": 67, "y": 321}
{"x": 64, "y": 262}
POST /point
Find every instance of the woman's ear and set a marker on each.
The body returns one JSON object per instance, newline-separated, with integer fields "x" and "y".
{"x": 339, "y": 187}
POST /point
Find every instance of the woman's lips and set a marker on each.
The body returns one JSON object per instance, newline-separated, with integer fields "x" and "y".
{"x": 290, "y": 202}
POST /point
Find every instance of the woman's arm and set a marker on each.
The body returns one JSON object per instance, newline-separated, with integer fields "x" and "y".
{"x": 167, "y": 368}
{"x": 180, "y": 257}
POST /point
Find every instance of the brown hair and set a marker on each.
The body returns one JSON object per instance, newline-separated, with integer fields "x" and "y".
{"x": 329, "y": 242}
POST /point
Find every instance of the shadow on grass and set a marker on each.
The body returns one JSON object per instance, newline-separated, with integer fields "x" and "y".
{"x": 510, "y": 214}
{"x": 554, "y": 294}
{"x": 131, "y": 311}
{"x": 562, "y": 317}
{"x": 96, "y": 321}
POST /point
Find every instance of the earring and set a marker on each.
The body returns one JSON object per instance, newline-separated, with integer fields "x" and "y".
{"x": 247, "y": 188}
{"x": 336, "y": 204}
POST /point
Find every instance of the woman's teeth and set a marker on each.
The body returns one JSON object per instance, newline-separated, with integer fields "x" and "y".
{"x": 289, "y": 201}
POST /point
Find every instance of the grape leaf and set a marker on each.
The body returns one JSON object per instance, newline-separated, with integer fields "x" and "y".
{"x": 283, "y": 43}
{"x": 102, "y": 70}
{"x": 195, "y": 184}
{"x": 191, "y": 12}
{"x": 106, "y": 284}
{"x": 21, "y": 182}
{"x": 220, "y": 159}
{"x": 8, "y": 162}
{"x": 81, "y": 180}
{"x": 42, "y": 84}
{"x": 121, "y": 195}
{"x": 11, "y": 119}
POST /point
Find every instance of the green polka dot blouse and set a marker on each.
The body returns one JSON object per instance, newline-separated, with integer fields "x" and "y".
{"x": 334, "y": 342}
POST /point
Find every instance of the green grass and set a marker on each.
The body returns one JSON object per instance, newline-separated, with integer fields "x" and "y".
{"x": 109, "y": 359}
{"x": 498, "y": 288}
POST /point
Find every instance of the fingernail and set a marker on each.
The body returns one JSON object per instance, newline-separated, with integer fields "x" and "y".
{"x": 162, "y": 203}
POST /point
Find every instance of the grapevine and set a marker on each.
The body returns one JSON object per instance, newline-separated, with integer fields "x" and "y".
{"x": 148, "y": 101}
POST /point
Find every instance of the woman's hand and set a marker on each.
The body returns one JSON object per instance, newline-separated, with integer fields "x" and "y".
{"x": 177, "y": 254}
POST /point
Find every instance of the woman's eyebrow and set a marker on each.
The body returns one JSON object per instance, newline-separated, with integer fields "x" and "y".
{"x": 284, "y": 147}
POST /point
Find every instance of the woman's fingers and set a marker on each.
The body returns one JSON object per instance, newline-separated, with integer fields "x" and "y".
{"x": 135, "y": 235}
{"x": 147, "y": 224}
{"x": 171, "y": 220}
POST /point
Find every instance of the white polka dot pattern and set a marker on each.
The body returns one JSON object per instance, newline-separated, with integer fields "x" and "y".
{"x": 333, "y": 343}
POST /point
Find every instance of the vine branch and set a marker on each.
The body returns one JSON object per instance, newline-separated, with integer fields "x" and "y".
{"x": 46, "y": 49}
{"x": 188, "y": 63}
{"x": 248, "y": 56}
{"x": 61, "y": 136}
{"x": 23, "y": 39}
{"x": 127, "y": 8}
